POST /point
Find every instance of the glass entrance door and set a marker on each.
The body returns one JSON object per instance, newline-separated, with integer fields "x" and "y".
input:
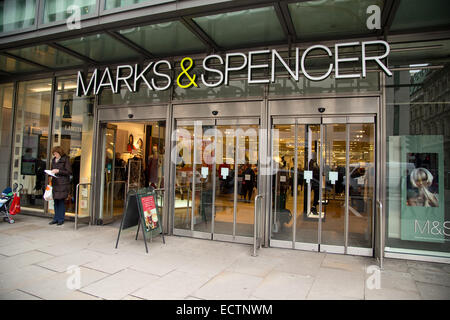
{"x": 216, "y": 178}
{"x": 323, "y": 184}
{"x": 133, "y": 158}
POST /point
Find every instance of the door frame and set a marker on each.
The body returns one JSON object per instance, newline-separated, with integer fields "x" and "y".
{"x": 221, "y": 113}
{"x": 117, "y": 114}
{"x": 354, "y": 107}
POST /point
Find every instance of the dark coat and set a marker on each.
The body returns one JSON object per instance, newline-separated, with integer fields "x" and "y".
{"x": 61, "y": 184}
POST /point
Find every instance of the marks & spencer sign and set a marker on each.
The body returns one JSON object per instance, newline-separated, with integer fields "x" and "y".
{"x": 158, "y": 75}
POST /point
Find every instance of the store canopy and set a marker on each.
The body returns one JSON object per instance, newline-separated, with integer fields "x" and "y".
{"x": 276, "y": 24}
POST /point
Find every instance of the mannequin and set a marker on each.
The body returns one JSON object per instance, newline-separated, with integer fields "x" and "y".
{"x": 153, "y": 165}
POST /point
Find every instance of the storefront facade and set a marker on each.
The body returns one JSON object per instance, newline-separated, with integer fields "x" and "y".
{"x": 334, "y": 126}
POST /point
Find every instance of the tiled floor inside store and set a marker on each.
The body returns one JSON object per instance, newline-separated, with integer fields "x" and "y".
{"x": 39, "y": 261}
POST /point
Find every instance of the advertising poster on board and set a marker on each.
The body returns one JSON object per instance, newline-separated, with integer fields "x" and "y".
{"x": 423, "y": 214}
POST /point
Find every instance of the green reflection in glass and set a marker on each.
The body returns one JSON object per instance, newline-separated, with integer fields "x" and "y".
{"x": 330, "y": 18}
{"x": 46, "y": 56}
{"x": 112, "y": 4}
{"x": 57, "y": 10}
{"x": 287, "y": 86}
{"x": 125, "y": 97}
{"x": 416, "y": 14}
{"x": 13, "y": 66}
{"x": 100, "y": 47}
{"x": 432, "y": 52}
{"x": 164, "y": 38}
{"x": 244, "y": 27}
{"x": 17, "y": 14}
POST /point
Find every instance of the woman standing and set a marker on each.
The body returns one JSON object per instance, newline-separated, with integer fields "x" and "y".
{"x": 61, "y": 184}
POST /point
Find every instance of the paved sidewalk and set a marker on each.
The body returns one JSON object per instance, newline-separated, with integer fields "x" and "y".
{"x": 35, "y": 257}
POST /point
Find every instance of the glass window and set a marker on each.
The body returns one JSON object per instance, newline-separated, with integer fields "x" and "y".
{"x": 57, "y": 10}
{"x": 227, "y": 29}
{"x": 14, "y": 66}
{"x": 418, "y": 163}
{"x": 418, "y": 53}
{"x": 73, "y": 127}
{"x": 418, "y": 14}
{"x": 165, "y": 38}
{"x": 47, "y": 56}
{"x": 30, "y": 152}
{"x": 331, "y": 18}
{"x": 287, "y": 86}
{"x": 111, "y": 4}
{"x": 17, "y": 14}
{"x": 6, "y": 102}
{"x": 97, "y": 45}
{"x": 125, "y": 97}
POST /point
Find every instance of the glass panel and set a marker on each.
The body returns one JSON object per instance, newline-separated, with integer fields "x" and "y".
{"x": 261, "y": 26}
{"x": 362, "y": 184}
{"x": 110, "y": 136}
{"x": 331, "y": 18}
{"x": 283, "y": 181}
{"x": 111, "y": 4}
{"x": 17, "y": 14}
{"x": 204, "y": 154}
{"x": 418, "y": 14}
{"x": 235, "y": 89}
{"x": 134, "y": 158}
{"x": 309, "y": 148}
{"x": 247, "y": 166}
{"x": 169, "y": 38}
{"x": 14, "y": 66}
{"x": 57, "y": 10}
{"x": 225, "y": 180}
{"x": 125, "y": 97}
{"x": 47, "y": 56}
{"x": 73, "y": 128}
{"x": 418, "y": 162}
{"x": 287, "y": 86}
{"x": 184, "y": 139}
{"x": 6, "y": 103}
{"x": 31, "y": 140}
{"x": 95, "y": 47}
{"x": 333, "y": 195}
{"x": 429, "y": 52}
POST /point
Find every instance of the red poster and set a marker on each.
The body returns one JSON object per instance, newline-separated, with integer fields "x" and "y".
{"x": 150, "y": 214}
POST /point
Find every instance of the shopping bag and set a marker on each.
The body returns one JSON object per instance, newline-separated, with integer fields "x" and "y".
{"x": 48, "y": 194}
{"x": 15, "y": 205}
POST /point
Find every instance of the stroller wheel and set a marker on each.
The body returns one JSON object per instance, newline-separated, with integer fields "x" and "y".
{"x": 11, "y": 221}
{"x": 5, "y": 219}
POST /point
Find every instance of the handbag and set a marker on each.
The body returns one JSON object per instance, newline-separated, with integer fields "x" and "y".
{"x": 48, "y": 194}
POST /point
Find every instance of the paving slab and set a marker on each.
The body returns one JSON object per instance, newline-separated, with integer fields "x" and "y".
{"x": 347, "y": 263}
{"x": 283, "y": 286}
{"x": 77, "y": 258}
{"x": 119, "y": 285}
{"x": 255, "y": 266}
{"x": 22, "y": 260}
{"x": 228, "y": 285}
{"x": 20, "y": 277}
{"x": 391, "y": 294}
{"x": 430, "y": 277}
{"x": 335, "y": 284}
{"x": 17, "y": 295}
{"x": 173, "y": 286}
{"x": 61, "y": 286}
{"x": 15, "y": 248}
{"x": 433, "y": 291}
